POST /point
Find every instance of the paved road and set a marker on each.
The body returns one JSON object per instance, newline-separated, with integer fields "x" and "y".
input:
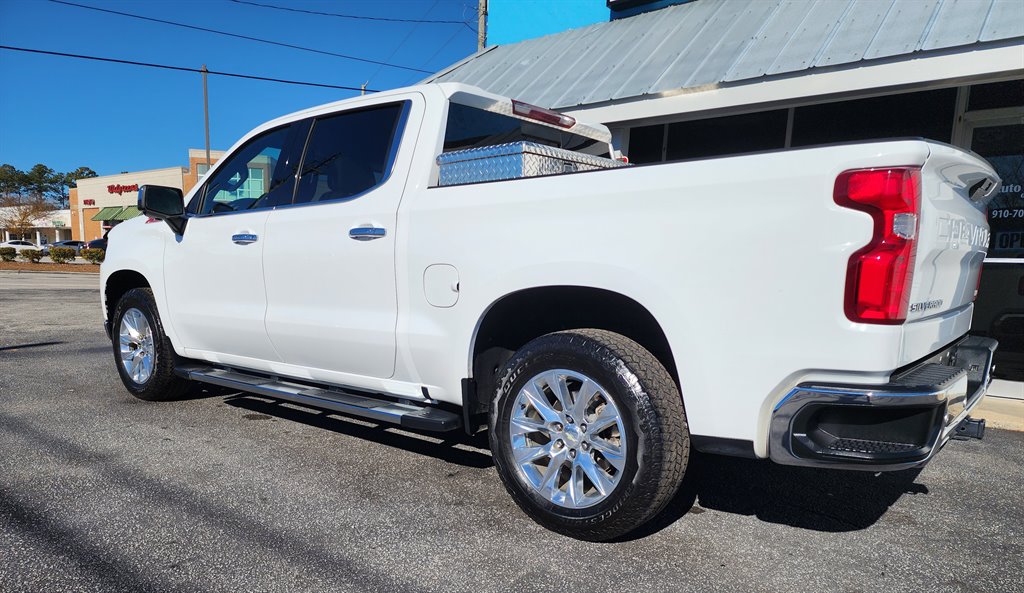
{"x": 101, "y": 492}
{"x": 52, "y": 281}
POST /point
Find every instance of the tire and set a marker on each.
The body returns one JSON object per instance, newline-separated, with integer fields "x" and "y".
{"x": 559, "y": 489}
{"x": 159, "y": 383}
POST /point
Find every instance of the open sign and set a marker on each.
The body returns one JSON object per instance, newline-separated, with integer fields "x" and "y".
{"x": 1009, "y": 240}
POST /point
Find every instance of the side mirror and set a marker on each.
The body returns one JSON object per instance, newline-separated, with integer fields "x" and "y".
{"x": 163, "y": 203}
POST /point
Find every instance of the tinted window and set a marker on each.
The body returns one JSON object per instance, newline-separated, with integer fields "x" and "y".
{"x": 646, "y": 144}
{"x": 260, "y": 174}
{"x": 995, "y": 95}
{"x": 735, "y": 134}
{"x": 469, "y": 127}
{"x": 927, "y": 114}
{"x": 1003, "y": 147}
{"x": 349, "y": 153}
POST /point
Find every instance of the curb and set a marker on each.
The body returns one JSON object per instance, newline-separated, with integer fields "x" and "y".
{"x": 49, "y": 272}
{"x": 1001, "y": 412}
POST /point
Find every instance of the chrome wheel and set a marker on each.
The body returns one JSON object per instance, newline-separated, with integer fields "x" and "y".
{"x": 136, "y": 345}
{"x": 568, "y": 438}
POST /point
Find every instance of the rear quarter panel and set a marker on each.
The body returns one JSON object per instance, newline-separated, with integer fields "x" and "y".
{"x": 742, "y": 261}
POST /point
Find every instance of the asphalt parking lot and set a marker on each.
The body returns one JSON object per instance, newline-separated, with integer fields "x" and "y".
{"x": 227, "y": 492}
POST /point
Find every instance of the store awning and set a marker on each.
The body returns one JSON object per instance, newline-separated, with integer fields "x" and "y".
{"x": 128, "y": 213}
{"x": 108, "y": 213}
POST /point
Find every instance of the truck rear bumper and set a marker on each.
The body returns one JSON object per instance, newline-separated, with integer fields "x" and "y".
{"x": 895, "y": 426}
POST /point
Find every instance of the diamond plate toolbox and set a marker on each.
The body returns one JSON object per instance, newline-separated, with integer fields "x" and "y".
{"x": 515, "y": 160}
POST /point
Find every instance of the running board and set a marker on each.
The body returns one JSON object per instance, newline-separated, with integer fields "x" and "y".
{"x": 407, "y": 415}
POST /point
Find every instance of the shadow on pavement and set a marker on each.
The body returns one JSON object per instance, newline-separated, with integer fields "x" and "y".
{"x": 443, "y": 446}
{"x": 806, "y": 498}
{"x": 106, "y": 566}
{"x": 32, "y": 345}
{"x": 120, "y": 568}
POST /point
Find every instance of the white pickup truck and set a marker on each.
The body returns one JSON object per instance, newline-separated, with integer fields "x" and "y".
{"x": 441, "y": 258}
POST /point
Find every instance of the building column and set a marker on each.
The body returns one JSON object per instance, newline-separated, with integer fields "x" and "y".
{"x": 39, "y": 237}
{"x": 7, "y": 236}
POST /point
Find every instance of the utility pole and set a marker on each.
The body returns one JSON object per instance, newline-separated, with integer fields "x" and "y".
{"x": 206, "y": 116}
{"x": 481, "y": 25}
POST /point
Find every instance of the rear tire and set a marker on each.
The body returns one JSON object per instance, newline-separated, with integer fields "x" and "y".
{"x": 142, "y": 352}
{"x": 588, "y": 433}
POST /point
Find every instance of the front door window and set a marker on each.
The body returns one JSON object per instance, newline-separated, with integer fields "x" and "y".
{"x": 254, "y": 176}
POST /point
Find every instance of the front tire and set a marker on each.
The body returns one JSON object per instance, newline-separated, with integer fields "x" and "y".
{"x": 588, "y": 433}
{"x": 142, "y": 352}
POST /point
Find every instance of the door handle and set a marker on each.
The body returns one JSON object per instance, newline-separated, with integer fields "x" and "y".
{"x": 366, "y": 233}
{"x": 244, "y": 238}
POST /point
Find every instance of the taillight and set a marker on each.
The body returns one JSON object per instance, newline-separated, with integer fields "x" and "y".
{"x": 879, "y": 275}
{"x": 540, "y": 114}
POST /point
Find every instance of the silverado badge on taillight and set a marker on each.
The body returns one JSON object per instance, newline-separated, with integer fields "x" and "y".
{"x": 879, "y": 275}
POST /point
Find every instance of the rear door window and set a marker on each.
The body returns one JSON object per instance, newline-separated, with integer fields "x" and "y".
{"x": 350, "y": 153}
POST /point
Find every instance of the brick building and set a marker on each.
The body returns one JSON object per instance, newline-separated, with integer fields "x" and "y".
{"x": 99, "y": 203}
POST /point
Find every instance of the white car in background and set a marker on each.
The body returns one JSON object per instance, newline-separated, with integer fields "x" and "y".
{"x": 20, "y": 245}
{"x": 78, "y": 246}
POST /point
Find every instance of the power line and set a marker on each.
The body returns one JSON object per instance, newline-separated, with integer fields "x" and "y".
{"x": 438, "y": 50}
{"x": 355, "y": 16}
{"x": 183, "y": 69}
{"x": 404, "y": 39}
{"x": 237, "y": 36}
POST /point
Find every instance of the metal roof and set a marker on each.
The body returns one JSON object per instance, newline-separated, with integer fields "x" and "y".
{"x": 706, "y": 42}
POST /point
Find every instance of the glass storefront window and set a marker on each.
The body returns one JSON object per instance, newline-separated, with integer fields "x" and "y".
{"x": 734, "y": 134}
{"x": 996, "y": 95}
{"x": 926, "y": 114}
{"x": 646, "y": 144}
{"x": 1003, "y": 146}
{"x": 994, "y": 128}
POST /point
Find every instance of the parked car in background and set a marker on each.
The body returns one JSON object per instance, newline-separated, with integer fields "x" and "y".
{"x": 78, "y": 246}
{"x": 20, "y": 245}
{"x": 97, "y": 244}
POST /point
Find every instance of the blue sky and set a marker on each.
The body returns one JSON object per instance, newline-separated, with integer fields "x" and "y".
{"x": 514, "y": 20}
{"x": 68, "y": 113}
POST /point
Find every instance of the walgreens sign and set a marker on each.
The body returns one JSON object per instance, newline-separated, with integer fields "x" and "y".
{"x": 120, "y": 189}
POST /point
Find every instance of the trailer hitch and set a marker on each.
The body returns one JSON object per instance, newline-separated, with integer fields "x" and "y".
{"x": 969, "y": 428}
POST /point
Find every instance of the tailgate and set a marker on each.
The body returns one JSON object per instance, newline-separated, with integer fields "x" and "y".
{"x": 952, "y": 240}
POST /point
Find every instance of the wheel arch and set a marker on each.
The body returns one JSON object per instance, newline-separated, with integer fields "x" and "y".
{"x": 117, "y": 284}
{"x": 518, "y": 317}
